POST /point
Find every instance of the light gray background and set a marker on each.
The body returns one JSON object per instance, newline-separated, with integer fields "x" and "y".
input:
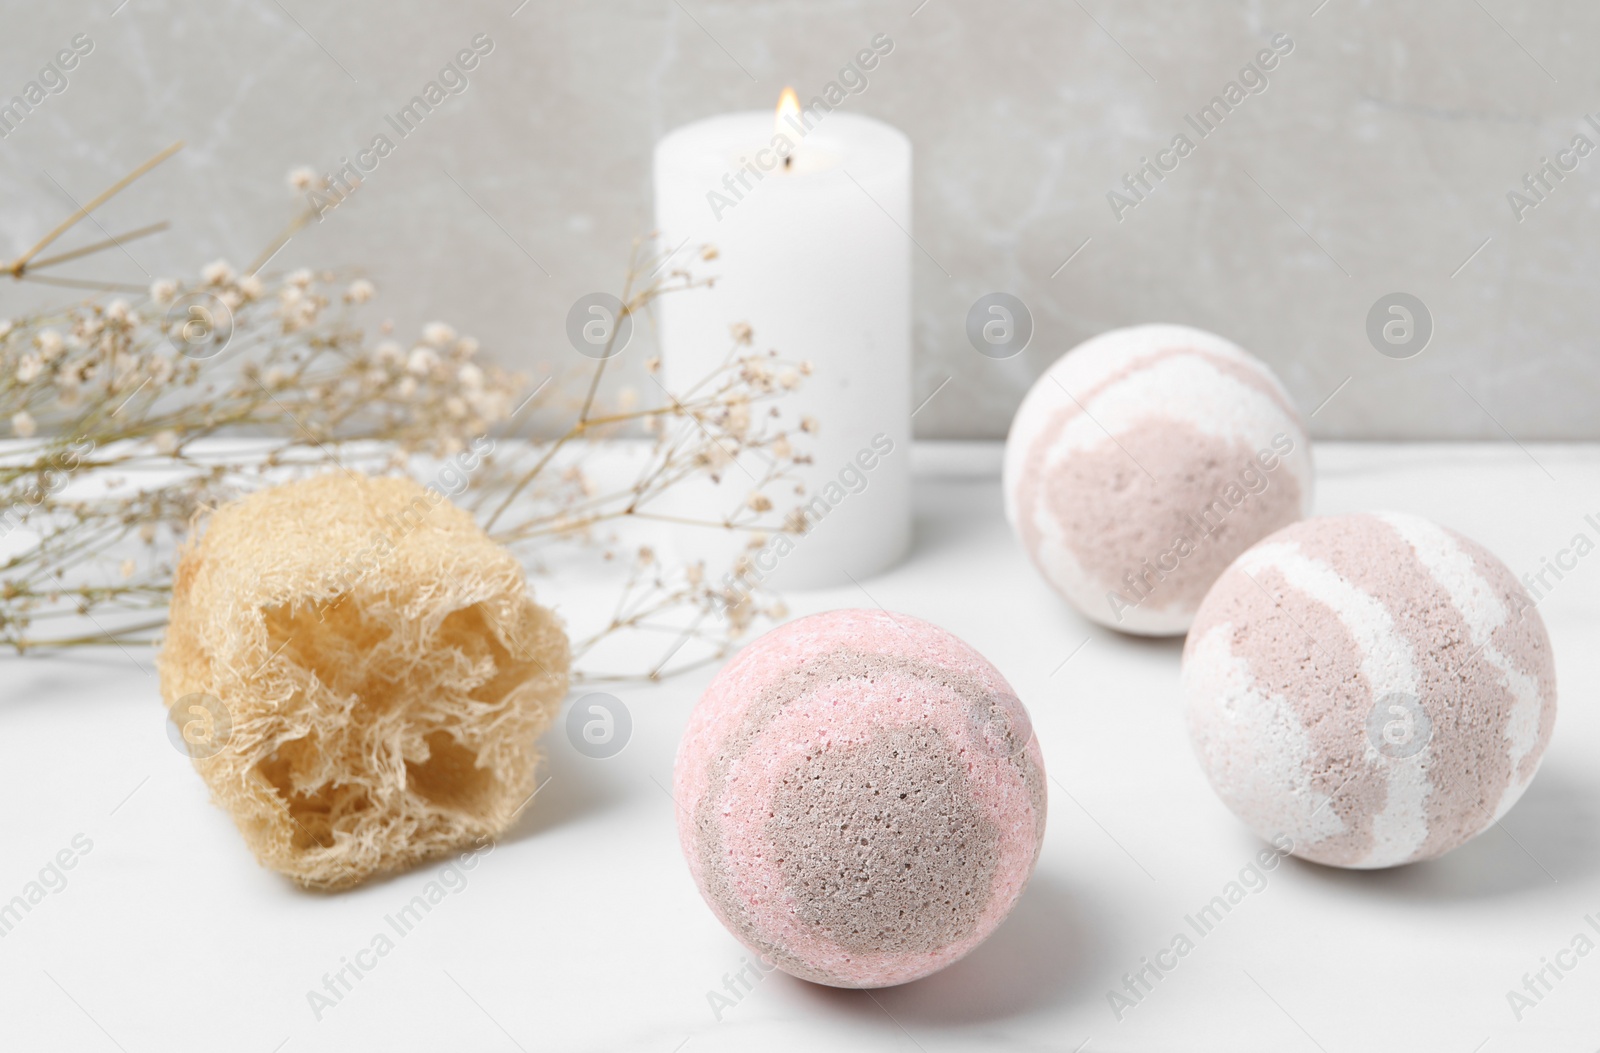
{"x": 1377, "y": 161}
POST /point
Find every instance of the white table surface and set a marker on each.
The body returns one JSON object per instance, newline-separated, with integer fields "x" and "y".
{"x": 582, "y": 931}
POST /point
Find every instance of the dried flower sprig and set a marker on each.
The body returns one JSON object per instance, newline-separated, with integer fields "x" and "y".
{"x": 131, "y": 415}
{"x": 120, "y": 432}
{"x": 727, "y": 425}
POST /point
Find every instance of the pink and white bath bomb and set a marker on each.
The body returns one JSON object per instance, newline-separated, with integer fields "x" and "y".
{"x": 860, "y": 798}
{"x": 1142, "y": 462}
{"x": 1376, "y": 687}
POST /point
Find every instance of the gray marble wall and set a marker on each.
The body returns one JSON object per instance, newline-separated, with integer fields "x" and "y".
{"x": 1376, "y": 157}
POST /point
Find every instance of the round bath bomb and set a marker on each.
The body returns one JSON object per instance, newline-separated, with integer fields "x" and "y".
{"x": 1375, "y": 687}
{"x": 860, "y": 798}
{"x": 1143, "y": 462}
{"x": 367, "y": 671}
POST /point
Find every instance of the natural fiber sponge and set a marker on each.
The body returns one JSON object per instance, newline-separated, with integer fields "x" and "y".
{"x": 1142, "y": 462}
{"x": 860, "y": 798}
{"x": 381, "y": 666}
{"x": 1376, "y": 687}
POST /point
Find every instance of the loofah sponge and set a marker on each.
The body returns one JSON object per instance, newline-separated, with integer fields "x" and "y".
{"x": 381, "y": 668}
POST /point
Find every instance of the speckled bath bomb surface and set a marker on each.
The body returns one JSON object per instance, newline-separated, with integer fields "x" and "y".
{"x": 1375, "y": 686}
{"x": 1143, "y": 462}
{"x": 860, "y": 798}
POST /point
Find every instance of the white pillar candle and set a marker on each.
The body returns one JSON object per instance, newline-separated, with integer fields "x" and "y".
{"x": 815, "y": 255}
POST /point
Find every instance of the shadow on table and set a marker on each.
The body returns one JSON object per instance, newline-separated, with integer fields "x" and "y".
{"x": 572, "y": 787}
{"x": 953, "y": 525}
{"x": 1551, "y": 835}
{"x": 1045, "y": 953}
{"x": 1148, "y": 648}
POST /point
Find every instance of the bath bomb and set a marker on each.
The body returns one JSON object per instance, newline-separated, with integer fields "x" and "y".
{"x": 860, "y": 798}
{"x": 1143, "y": 462}
{"x": 1375, "y": 687}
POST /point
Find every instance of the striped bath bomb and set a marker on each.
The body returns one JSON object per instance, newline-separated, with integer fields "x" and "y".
{"x": 860, "y": 798}
{"x": 1375, "y": 687}
{"x": 1143, "y": 462}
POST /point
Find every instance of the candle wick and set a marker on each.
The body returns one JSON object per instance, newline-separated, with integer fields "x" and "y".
{"x": 788, "y": 162}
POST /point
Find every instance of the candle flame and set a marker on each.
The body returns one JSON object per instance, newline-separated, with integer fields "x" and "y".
{"x": 788, "y": 106}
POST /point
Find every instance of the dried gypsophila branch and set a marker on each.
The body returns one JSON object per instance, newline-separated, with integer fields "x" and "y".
{"x": 118, "y": 405}
{"x": 127, "y": 412}
{"x": 728, "y": 417}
